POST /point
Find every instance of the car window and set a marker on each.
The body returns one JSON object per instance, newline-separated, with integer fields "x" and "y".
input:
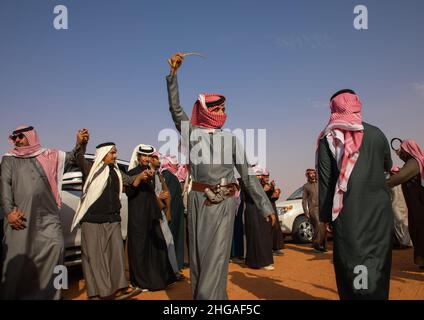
{"x": 70, "y": 168}
{"x": 123, "y": 166}
{"x": 72, "y": 187}
{"x": 297, "y": 194}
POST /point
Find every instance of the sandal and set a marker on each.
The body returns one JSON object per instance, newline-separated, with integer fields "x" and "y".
{"x": 127, "y": 293}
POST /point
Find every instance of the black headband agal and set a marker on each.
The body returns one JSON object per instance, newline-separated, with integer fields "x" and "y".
{"x": 394, "y": 142}
{"x": 106, "y": 144}
{"x": 218, "y": 102}
{"x": 146, "y": 150}
{"x": 341, "y": 92}
{"x": 30, "y": 128}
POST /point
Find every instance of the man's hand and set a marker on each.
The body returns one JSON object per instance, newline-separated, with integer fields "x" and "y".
{"x": 149, "y": 173}
{"x": 146, "y": 175}
{"x": 175, "y": 62}
{"x": 272, "y": 218}
{"x": 276, "y": 194}
{"x": 328, "y": 227}
{"x": 82, "y": 136}
{"x": 16, "y": 219}
{"x": 143, "y": 176}
{"x": 267, "y": 187}
{"x": 164, "y": 195}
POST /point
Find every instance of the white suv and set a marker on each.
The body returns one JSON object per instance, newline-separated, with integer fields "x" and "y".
{"x": 72, "y": 184}
{"x": 293, "y": 220}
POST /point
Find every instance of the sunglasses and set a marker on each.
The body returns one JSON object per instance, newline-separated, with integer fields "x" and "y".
{"x": 16, "y": 136}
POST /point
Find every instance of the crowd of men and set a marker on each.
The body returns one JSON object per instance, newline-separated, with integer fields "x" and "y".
{"x": 205, "y": 208}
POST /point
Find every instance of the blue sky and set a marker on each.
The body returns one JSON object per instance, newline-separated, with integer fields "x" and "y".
{"x": 278, "y": 62}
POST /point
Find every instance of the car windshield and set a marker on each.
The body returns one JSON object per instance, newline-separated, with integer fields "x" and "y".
{"x": 123, "y": 166}
{"x": 75, "y": 184}
{"x": 297, "y": 194}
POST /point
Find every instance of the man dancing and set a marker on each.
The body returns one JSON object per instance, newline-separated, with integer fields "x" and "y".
{"x": 211, "y": 203}
{"x": 31, "y": 178}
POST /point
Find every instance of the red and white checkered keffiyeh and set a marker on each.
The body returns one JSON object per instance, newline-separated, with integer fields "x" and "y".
{"x": 260, "y": 171}
{"x": 182, "y": 172}
{"x": 51, "y": 160}
{"x": 344, "y": 134}
{"x": 203, "y": 116}
{"x": 411, "y": 146}
{"x": 169, "y": 163}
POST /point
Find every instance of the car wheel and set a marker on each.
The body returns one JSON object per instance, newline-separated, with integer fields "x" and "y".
{"x": 303, "y": 230}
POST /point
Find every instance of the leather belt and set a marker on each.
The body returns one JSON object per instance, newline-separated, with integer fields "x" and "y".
{"x": 200, "y": 187}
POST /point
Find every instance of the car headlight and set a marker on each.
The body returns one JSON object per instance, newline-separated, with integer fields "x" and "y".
{"x": 284, "y": 209}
